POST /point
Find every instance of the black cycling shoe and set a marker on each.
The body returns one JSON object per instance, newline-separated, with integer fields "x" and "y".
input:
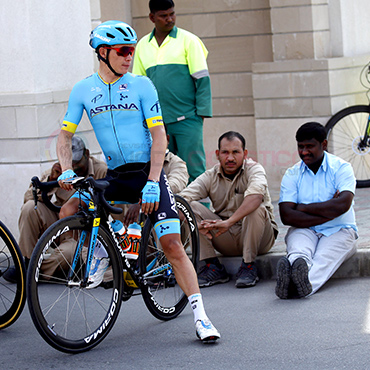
{"x": 283, "y": 275}
{"x": 300, "y": 277}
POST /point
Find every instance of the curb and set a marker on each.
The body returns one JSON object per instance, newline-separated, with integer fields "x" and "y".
{"x": 357, "y": 266}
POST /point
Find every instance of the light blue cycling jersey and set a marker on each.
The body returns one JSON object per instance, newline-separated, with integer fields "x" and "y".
{"x": 121, "y": 114}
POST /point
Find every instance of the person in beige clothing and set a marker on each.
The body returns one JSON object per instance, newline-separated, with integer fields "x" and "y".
{"x": 33, "y": 223}
{"x": 242, "y": 223}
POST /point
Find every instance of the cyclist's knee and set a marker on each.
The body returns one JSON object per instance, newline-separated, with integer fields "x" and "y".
{"x": 69, "y": 208}
{"x": 172, "y": 245}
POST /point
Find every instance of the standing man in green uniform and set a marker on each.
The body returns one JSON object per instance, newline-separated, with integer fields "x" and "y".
{"x": 175, "y": 60}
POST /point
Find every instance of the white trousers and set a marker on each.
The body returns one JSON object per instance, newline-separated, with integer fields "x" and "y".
{"x": 323, "y": 254}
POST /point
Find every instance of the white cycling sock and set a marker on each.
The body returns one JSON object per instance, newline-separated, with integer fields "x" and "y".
{"x": 196, "y": 303}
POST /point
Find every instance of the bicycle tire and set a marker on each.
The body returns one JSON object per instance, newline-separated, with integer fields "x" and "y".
{"x": 12, "y": 295}
{"x": 162, "y": 295}
{"x": 344, "y": 132}
{"x": 70, "y": 317}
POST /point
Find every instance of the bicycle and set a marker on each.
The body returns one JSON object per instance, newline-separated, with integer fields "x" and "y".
{"x": 348, "y": 134}
{"x": 69, "y": 316}
{"x": 12, "y": 295}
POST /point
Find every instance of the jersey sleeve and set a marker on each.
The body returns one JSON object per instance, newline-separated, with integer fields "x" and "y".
{"x": 75, "y": 110}
{"x": 150, "y": 103}
{"x": 197, "y": 62}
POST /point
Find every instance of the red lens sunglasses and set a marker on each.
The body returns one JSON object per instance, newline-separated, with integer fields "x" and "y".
{"x": 123, "y": 51}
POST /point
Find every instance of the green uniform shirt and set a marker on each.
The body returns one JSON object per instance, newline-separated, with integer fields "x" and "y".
{"x": 178, "y": 69}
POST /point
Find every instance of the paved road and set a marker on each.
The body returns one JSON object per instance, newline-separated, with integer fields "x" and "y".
{"x": 330, "y": 330}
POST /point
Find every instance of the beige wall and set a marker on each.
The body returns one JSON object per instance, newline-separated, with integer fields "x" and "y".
{"x": 236, "y": 34}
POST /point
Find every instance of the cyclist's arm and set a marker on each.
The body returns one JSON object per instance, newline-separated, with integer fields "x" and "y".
{"x": 64, "y": 152}
{"x": 158, "y": 151}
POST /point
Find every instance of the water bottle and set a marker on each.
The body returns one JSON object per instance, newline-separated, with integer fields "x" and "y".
{"x": 134, "y": 234}
{"x": 120, "y": 230}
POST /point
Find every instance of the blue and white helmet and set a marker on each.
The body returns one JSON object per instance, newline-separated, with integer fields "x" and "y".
{"x": 112, "y": 33}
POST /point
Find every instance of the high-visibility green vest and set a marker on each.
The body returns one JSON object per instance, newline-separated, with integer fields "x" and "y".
{"x": 178, "y": 69}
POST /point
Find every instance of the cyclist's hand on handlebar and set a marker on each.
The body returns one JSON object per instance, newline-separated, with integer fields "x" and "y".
{"x": 66, "y": 175}
{"x": 150, "y": 197}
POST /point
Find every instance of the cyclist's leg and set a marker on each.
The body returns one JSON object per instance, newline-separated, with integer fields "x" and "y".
{"x": 71, "y": 207}
{"x": 167, "y": 227}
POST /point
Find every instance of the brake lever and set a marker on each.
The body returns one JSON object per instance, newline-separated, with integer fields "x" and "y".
{"x": 34, "y": 193}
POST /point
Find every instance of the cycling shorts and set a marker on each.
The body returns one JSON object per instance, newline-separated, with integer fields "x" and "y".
{"x": 126, "y": 183}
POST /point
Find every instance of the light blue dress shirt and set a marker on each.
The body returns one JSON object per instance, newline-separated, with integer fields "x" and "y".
{"x": 301, "y": 185}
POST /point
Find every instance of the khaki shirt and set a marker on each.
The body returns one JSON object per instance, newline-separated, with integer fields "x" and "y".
{"x": 96, "y": 169}
{"x": 175, "y": 169}
{"x": 227, "y": 195}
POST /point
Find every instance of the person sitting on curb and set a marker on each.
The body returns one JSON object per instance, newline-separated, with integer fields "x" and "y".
{"x": 243, "y": 223}
{"x": 33, "y": 223}
{"x": 316, "y": 201}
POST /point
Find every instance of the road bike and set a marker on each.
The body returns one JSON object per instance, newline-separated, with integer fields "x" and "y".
{"x": 348, "y": 134}
{"x": 73, "y": 318}
{"x": 12, "y": 294}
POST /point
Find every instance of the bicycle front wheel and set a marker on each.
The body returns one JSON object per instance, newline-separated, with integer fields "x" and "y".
{"x": 346, "y": 129}
{"x": 70, "y": 317}
{"x": 162, "y": 295}
{"x": 12, "y": 294}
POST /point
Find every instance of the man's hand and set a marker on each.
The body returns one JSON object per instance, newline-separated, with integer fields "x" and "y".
{"x": 132, "y": 214}
{"x": 204, "y": 231}
{"x": 56, "y": 171}
{"x": 220, "y": 226}
{"x": 150, "y": 197}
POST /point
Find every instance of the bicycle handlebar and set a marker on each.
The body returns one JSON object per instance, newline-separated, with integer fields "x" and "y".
{"x": 98, "y": 185}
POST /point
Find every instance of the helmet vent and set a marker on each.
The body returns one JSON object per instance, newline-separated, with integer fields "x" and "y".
{"x": 122, "y": 31}
{"x": 110, "y": 35}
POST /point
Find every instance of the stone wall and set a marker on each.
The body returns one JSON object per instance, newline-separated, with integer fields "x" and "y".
{"x": 237, "y": 34}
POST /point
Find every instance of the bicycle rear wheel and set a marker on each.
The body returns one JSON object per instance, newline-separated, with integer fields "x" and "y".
{"x": 68, "y": 316}
{"x": 346, "y": 130}
{"x": 162, "y": 295}
{"x": 12, "y": 295}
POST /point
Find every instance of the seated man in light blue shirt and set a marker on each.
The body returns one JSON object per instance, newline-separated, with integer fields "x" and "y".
{"x": 316, "y": 200}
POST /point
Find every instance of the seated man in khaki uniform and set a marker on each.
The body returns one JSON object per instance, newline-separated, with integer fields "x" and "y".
{"x": 33, "y": 223}
{"x": 242, "y": 223}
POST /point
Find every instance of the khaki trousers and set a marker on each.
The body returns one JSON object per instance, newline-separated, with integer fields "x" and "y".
{"x": 32, "y": 224}
{"x": 249, "y": 238}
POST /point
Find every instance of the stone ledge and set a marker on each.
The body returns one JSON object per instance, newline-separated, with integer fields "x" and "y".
{"x": 357, "y": 266}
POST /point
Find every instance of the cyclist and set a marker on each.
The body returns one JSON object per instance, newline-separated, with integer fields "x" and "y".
{"x": 126, "y": 116}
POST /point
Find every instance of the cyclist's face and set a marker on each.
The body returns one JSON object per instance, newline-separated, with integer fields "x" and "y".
{"x": 231, "y": 155}
{"x": 164, "y": 20}
{"x": 119, "y": 63}
{"x": 311, "y": 151}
